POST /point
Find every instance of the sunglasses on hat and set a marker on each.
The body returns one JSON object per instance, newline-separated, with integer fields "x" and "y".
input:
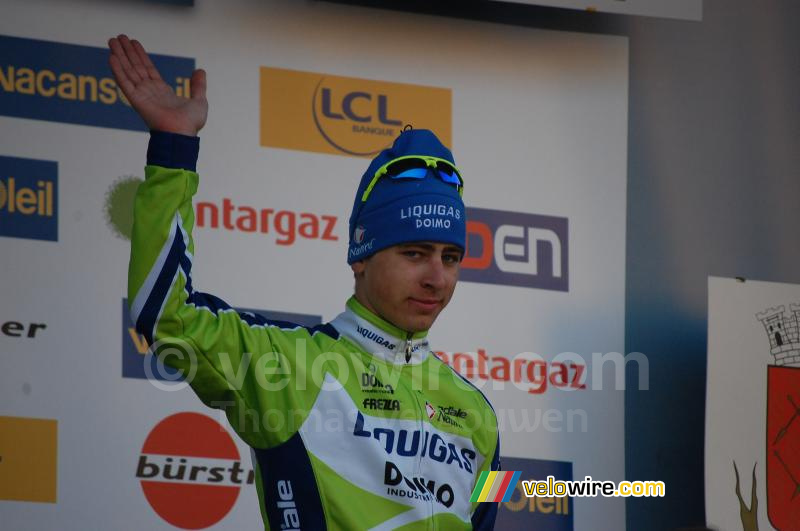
{"x": 417, "y": 167}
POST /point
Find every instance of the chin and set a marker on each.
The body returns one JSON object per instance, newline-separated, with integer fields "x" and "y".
{"x": 421, "y": 325}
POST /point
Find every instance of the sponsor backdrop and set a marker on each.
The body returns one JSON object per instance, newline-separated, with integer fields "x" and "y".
{"x": 753, "y": 405}
{"x": 300, "y": 96}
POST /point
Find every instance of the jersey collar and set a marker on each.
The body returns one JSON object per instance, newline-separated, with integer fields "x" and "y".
{"x": 380, "y": 337}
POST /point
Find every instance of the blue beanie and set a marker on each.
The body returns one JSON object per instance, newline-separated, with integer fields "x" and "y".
{"x": 406, "y": 210}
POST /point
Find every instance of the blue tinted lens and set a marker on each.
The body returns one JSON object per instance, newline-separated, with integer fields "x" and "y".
{"x": 412, "y": 173}
{"x": 450, "y": 178}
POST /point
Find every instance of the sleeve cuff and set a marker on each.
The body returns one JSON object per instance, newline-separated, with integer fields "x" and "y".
{"x": 173, "y": 150}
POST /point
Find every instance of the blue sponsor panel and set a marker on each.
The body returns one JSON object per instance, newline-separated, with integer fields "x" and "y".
{"x": 134, "y": 345}
{"x": 540, "y": 513}
{"x": 516, "y": 249}
{"x": 29, "y": 198}
{"x": 70, "y": 83}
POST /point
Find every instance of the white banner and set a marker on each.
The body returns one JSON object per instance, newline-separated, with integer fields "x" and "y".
{"x": 538, "y": 125}
{"x": 683, "y": 9}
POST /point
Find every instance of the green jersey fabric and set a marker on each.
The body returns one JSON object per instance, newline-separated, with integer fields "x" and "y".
{"x": 353, "y": 424}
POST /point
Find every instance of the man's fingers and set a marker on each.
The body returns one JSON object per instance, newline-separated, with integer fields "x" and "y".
{"x": 151, "y": 69}
{"x": 133, "y": 58}
{"x": 118, "y": 51}
{"x": 198, "y": 84}
{"x": 123, "y": 82}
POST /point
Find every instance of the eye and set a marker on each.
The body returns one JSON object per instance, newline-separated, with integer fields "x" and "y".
{"x": 411, "y": 253}
{"x": 452, "y": 258}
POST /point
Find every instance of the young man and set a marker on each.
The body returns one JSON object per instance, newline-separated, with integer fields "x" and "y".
{"x": 354, "y": 424}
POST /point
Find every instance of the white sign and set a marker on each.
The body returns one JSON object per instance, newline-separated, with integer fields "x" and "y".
{"x": 752, "y": 468}
{"x": 684, "y": 9}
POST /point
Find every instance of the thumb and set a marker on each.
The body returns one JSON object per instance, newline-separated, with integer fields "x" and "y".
{"x": 198, "y": 84}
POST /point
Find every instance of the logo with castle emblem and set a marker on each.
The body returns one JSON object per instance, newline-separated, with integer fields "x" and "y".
{"x": 783, "y": 424}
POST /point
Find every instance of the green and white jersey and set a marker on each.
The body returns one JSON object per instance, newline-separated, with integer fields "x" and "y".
{"x": 353, "y": 424}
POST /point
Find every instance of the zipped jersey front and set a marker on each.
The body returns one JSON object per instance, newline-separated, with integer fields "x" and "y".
{"x": 354, "y": 424}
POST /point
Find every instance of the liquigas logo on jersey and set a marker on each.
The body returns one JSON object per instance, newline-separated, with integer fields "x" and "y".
{"x": 28, "y": 198}
{"x": 69, "y": 83}
{"x": 323, "y": 113}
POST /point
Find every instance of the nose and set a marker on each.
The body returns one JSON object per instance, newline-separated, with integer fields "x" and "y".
{"x": 435, "y": 277}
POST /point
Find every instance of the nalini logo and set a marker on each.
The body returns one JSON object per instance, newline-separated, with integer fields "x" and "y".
{"x": 188, "y": 457}
{"x": 516, "y": 249}
{"x": 343, "y": 115}
{"x": 28, "y": 198}
{"x": 69, "y": 83}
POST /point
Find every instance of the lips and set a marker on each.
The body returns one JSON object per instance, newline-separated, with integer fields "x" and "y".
{"x": 427, "y": 305}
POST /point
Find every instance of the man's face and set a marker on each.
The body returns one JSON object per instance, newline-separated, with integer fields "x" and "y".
{"x": 408, "y": 284}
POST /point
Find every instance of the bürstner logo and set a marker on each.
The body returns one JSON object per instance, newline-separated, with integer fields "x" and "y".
{"x": 28, "y": 198}
{"x": 189, "y": 457}
{"x": 345, "y": 115}
{"x": 61, "y": 82}
{"x": 516, "y": 249}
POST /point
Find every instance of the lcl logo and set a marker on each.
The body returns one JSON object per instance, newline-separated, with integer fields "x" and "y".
{"x": 348, "y": 107}
{"x": 516, "y": 249}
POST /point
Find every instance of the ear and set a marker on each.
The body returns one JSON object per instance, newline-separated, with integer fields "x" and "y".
{"x": 358, "y": 267}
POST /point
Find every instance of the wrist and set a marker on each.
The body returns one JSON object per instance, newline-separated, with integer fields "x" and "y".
{"x": 169, "y": 149}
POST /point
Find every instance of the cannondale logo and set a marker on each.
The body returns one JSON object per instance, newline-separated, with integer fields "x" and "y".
{"x": 430, "y": 410}
{"x": 358, "y": 234}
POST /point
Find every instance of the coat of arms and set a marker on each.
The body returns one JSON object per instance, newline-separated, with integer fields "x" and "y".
{"x": 783, "y": 424}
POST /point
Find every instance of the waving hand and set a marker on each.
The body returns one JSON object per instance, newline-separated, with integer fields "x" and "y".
{"x": 154, "y": 100}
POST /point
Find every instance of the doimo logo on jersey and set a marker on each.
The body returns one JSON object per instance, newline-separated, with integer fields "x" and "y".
{"x": 69, "y": 83}
{"x": 191, "y": 471}
{"x": 323, "y": 113}
{"x": 28, "y": 459}
{"x": 516, "y": 249}
{"x": 134, "y": 346}
{"x": 28, "y": 198}
{"x": 541, "y": 513}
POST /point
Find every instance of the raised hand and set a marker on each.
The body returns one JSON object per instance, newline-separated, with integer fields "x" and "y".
{"x": 150, "y": 96}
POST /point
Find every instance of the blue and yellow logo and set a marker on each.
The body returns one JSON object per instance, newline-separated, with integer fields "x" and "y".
{"x": 28, "y": 198}
{"x": 517, "y": 511}
{"x": 344, "y": 115}
{"x": 68, "y": 83}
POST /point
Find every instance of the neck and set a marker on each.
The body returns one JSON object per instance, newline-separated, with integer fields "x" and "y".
{"x": 369, "y": 312}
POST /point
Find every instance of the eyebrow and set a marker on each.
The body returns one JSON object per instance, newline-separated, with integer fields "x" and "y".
{"x": 430, "y": 247}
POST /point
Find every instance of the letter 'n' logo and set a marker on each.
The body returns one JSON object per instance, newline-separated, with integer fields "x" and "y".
{"x": 516, "y": 249}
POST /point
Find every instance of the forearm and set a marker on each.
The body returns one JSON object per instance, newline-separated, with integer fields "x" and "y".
{"x": 162, "y": 233}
